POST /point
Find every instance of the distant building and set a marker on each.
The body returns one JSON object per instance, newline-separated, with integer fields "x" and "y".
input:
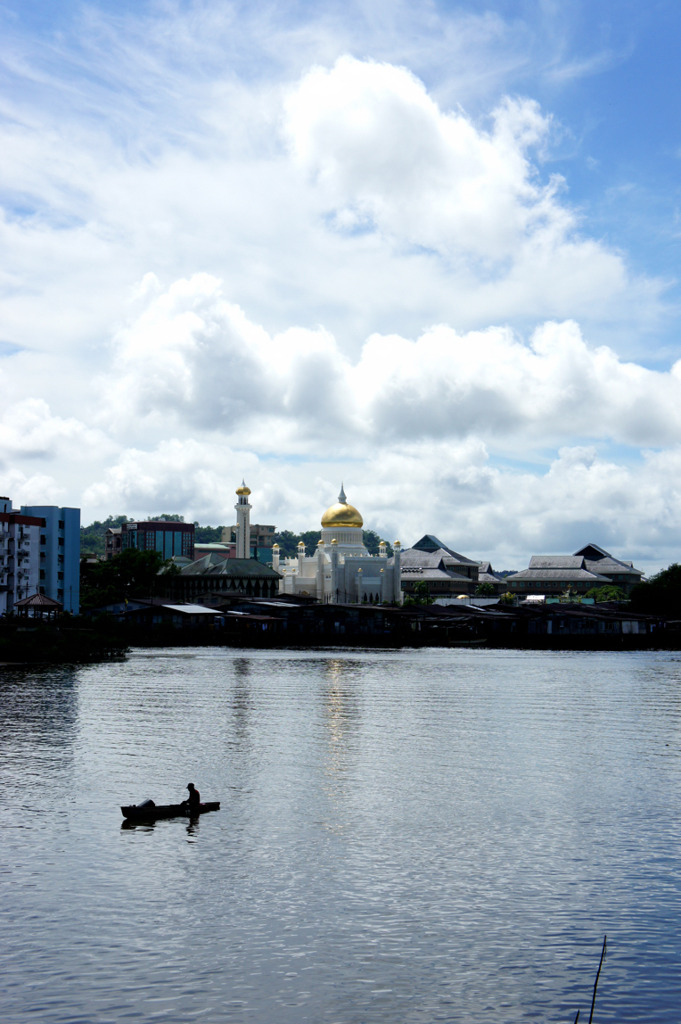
{"x": 212, "y": 575}
{"x": 588, "y": 568}
{"x": 39, "y": 554}
{"x": 261, "y": 540}
{"x": 446, "y": 573}
{"x": 227, "y": 569}
{"x": 622, "y": 574}
{"x": 215, "y": 547}
{"x": 342, "y": 571}
{"x": 59, "y": 554}
{"x": 19, "y": 555}
{"x": 486, "y": 574}
{"x": 169, "y": 539}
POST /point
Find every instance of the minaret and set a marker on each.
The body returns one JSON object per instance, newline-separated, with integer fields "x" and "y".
{"x": 397, "y": 572}
{"x": 319, "y": 581}
{"x": 243, "y": 522}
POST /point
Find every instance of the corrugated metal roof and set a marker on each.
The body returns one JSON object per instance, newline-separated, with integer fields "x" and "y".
{"x": 565, "y": 575}
{"x": 190, "y": 609}
{"x": 556, "y": 562}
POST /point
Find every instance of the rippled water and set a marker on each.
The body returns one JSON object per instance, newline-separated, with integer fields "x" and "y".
{"x": 410, "y": 837}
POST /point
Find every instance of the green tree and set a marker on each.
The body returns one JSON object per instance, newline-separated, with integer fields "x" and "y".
{"x": 310, "y": 539}
{"x": 288, "y": 543}
{"x": 207, "y": 534}
{"x": 372, "y": 542}
{"x": 419, "y": 596}
{"x": 485, "y": 590}
{"x": 661, "y": 594}
{"x": 131, "y": 574}
{"x": 608, "y": 592}
{"x": 92, "y": 537}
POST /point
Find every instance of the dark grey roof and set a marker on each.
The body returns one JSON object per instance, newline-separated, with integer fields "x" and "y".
{"x": 431, "y": 573}
{"x": 415, "y": 556}
{"x": 556, "y": 562}
{"x": 612, "y": 566}
{"x": 486, "y": 574}
{"x": 592, "y": 558}
{"x": 415, "y": 559}
{"x": 568, "y": 575}
{"x": 593, "y": 551}
{"x": 216, "y": 565}
{"x": 430, "y": 543}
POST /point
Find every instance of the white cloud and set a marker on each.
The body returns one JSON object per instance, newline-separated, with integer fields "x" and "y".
{"x": 450, "y": 433}
{"x": 193, "y": 360}
{"x": 28, "y": 430}
{"x": 232, "y": 248}
{"x": 382, "y": 152}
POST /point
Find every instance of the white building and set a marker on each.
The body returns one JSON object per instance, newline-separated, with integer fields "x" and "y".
{"x": 19, "y": 555}
{"x": 342, "y": 571}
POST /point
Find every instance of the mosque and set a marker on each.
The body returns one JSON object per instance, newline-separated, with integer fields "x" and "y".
{"x": 341, "y": 571}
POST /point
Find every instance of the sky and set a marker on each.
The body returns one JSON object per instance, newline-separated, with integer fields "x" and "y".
{"x": 427, "y": 250}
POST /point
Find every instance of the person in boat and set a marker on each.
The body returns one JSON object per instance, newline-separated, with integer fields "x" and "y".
{"x": 193, "y": 801}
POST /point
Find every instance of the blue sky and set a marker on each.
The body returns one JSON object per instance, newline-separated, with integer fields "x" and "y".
{"x": 427, "y": 249}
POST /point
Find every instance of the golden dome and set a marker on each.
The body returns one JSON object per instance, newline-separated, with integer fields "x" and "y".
{"x": 342, "y": 514}
{"x": 243, "y": 489}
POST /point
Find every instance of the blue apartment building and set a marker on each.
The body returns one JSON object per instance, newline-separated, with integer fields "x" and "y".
{"x": 59, "y": 576}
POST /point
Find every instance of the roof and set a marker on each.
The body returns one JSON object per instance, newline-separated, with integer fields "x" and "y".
{"x": 556, "y": 562}
{"x": 216, "y": 565}
{"x": 591, "y": 559}
{"x": 430, "y": 543}
{"x": 37, "y": 601}
{"x": 486, "y": 574}
{"x": 190, "y": 609}
{"x": 612, "y": 566}
{"x": 417, "y": 557}
{"x": 593, "y": 551}
{"x": 569, "y": 575}
{"x": 440, "y": 558}
{"x": 415, "y": 572}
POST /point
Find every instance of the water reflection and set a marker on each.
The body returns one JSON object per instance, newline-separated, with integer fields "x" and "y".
{"x": 342, "y": 720}
{"x": 39, "y": 703}
{"x": 242, "y": 699}
{"x": 411, "y": 836}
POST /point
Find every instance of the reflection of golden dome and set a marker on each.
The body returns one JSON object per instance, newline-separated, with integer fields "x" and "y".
{"x": 341, "y": 514}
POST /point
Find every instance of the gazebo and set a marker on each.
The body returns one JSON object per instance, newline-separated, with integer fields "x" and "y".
{"x": 38, "y": 606}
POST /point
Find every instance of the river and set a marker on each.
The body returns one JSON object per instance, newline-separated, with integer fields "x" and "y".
{"x": 405, "y": 837}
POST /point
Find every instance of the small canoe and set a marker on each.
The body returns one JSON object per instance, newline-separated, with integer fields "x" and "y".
{"x": 149, "y": 811}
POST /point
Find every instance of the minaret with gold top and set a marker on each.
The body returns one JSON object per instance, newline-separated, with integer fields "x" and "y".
{"x": 243, "y": 522}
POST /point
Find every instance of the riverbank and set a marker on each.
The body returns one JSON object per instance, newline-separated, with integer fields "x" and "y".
{"x": 295, "y": 625}
{"x": 65, "y": 642}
